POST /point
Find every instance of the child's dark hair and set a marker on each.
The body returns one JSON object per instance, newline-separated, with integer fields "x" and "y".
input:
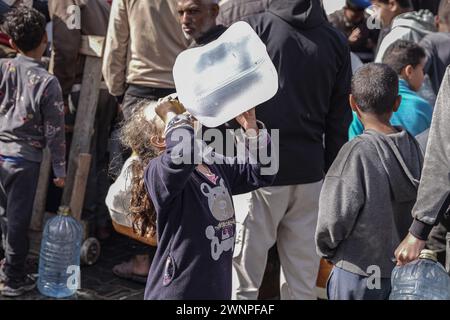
{"x": 375, "y": 88}
{"x": 405, "y": 4}
{"x": 26, "y": 27}
{"x": 403, "y": 53}
{"x": 136, "y": 134}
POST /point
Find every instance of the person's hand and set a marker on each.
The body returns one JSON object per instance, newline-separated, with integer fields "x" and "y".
{"x": 247, "y": 120}
{"x": 59, "y": 182}
{"x": 168, "y": 105}
{"x": 355, "y": 36}
{"x": 409, "y": 250}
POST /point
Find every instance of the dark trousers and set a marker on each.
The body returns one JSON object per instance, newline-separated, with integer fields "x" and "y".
{"x": 18, "y": 183}
{"x": 344, "y": 285}
{"x": 437, "y": 239}
{"x": 136, "y": 94}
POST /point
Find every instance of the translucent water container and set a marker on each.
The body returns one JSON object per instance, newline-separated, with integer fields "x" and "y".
{"x": 59, "y": 261}
{"x": 423, "y": 279}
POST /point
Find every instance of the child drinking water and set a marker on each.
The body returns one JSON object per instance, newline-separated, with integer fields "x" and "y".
{"x": 188, "y": 205}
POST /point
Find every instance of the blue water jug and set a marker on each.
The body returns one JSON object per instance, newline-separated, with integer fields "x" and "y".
{"x": 59, "y": 261}
{"x": 423, "y": 279}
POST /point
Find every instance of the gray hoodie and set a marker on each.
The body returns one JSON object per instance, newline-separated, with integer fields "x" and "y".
{"x": 434, "y": 192}
{"x": 410, "y": 26}
{"x": 366, "y": 201}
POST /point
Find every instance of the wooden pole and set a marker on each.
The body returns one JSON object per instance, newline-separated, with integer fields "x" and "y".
{"x": 79, "y": 186}
{"x": 92, "y": 47}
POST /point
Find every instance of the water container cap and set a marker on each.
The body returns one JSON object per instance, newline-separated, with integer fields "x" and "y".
{"x": 64, "y": 211}
{"x": 429, "y": 255}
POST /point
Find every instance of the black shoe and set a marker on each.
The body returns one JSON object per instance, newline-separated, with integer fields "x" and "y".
{"x": 13, "y": 288}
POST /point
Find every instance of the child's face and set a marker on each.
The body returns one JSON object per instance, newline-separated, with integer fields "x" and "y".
{"x": 417, "y": 76}
{"x": 159, "y": 126}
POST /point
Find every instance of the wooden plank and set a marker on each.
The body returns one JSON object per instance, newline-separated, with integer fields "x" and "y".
{"x": 129, "y": 232}
{"x": 92, "y": 46}
{"x": 79, "y": 186}
{"x": 40, "y": 198}
{"x": 84, "y": 122}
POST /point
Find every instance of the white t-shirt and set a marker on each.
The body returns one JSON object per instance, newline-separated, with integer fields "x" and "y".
{"x": 119, "y": 196}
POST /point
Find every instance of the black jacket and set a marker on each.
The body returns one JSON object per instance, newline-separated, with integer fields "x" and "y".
{"x": 311, "y": 108}
{"x": 232, "y": 11}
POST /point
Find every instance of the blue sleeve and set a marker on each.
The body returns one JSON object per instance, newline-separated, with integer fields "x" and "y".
{"x": 258, "y": 169}
{"x": 356, "y": 128}
{"x": 425, "y": 115}
{"x": 167, "y": 174}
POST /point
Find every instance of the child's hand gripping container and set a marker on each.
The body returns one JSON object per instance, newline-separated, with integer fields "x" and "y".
{"x": 59, "y": 261}
{"x": 423, "y": 279}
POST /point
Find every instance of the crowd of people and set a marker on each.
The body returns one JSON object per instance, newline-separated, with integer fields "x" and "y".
{"x": 363, "y": 156}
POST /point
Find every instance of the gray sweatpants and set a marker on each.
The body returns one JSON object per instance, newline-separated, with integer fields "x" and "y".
{"x": 18, "y": 182}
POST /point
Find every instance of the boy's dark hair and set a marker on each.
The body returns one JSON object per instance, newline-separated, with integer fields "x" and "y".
{"x": 26, "y": 27}
{"x": 405, "y": 4}
{"x": 444, "y": 11}
{"x": 403, "y": 53}
{"x": 375, "y": 88}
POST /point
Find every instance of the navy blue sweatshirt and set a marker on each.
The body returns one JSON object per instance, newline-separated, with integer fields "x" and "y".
{"x": 195, "y": 221}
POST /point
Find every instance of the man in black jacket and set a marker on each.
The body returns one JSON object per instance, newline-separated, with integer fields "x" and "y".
{"x": 311, "y": 111}
{"x": 232, "y": 11}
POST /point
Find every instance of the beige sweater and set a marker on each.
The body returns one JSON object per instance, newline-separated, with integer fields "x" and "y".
{"x": 144, "y": 39}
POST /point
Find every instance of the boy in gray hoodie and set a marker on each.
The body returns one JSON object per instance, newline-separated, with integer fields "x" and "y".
{"x": 369, "y": 192}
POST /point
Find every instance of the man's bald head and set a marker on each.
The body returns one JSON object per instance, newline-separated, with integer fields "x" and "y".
{"x": 197, "y": 17}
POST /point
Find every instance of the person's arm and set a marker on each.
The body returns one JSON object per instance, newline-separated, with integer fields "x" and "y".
{"x": 166, "y": 175}
{"x": 339, "y": 206}
{"x": 433, "y": 196}
{"x": 66, "y": 44}
{"x": 52, "y": 109}
{"x": 340, "y": 115}
{"x": 116, "y": 49}
{"x": 255, "y": 165}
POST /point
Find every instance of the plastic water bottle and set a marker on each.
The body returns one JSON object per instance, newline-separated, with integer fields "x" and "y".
{"x": 423, "y": 279}
{"x": 59, "y": 262}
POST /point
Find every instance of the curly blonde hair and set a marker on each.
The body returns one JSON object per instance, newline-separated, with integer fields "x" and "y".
{"x": 136, "y": 134}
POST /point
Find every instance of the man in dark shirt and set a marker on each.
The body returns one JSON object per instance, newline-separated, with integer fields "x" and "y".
{"x": 352, "y": 21}
{"x": 312, "y": 114}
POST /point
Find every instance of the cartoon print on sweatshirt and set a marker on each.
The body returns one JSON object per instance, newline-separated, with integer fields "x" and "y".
{"x": 221, "y": 206}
